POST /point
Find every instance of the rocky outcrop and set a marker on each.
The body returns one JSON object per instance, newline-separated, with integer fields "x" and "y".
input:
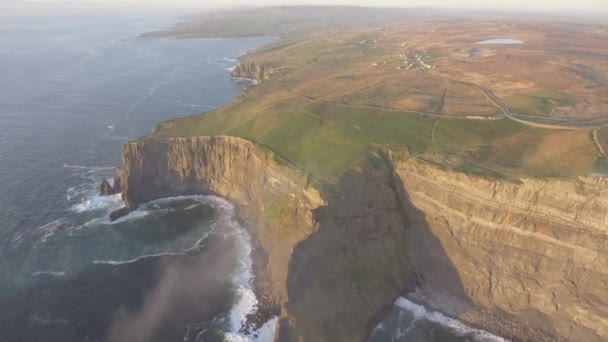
{"x": 526, "y": 260}
{"x": 535, "y": 250}
{"x": 106, "y": 189}
{"x": 252, "y": 71}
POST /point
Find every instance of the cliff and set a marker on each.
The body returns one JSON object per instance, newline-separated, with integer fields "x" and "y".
{"x": 535, "y": 250}
{"x": 320, "y": 251}
{"x": 525, "y": 260}
{"x": 252, "y": 71}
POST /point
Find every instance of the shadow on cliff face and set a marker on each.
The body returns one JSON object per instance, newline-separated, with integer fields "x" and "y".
{"x": 438, "y": 274}
{"x": 345, "y": 276}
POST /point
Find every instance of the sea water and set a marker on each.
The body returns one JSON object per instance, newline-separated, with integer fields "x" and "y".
{"x": 73, "y": 89}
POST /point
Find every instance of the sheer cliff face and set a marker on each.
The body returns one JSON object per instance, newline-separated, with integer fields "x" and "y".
{"x": 237, "y": 170}
{"x": 328, "y": 258}
{"x": 523, "y": 260}
{"x": 536, "y": 250}
{"x": 252, "y": 71}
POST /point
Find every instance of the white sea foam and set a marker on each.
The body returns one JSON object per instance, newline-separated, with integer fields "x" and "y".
{"x": 130, "y": 261}
{"x": 89, "y": 168}
{"x": 50, "y": 228}
{"x": 243, "y": 279}
{"x": 246, "y": 300}
{"x": 17, "y": 240}
{"x": 51, "y": 273}
{"x": 97, "y": 202}
{"x": 134, "y": 215}
{"x": 420, "y": 312}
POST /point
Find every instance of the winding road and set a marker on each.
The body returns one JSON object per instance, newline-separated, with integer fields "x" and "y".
{"x": 539, "y": 122}
{"x": 542, "y": 122}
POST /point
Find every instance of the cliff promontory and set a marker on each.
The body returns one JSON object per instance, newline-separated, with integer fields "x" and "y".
{"x": 252, "y": 71}
{"x": 327, "y": 258}
{"x": 522, "y": 259}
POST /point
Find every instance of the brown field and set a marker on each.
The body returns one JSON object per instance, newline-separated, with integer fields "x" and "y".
{"x": 365, "y": 66}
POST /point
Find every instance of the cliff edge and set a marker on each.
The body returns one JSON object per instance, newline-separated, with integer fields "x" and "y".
{"x": 524, "y": 260}
{"x": 320, "y": 250}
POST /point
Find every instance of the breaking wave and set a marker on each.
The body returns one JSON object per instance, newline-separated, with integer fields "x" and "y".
{"x": 97, "y": 202}
{"x": 420, "y": 313}
{"x": 50, "y": 273}
{"x": 242, "y": 278}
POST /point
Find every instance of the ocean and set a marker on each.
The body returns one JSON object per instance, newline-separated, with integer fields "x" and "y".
{"x": 73, "y": 89}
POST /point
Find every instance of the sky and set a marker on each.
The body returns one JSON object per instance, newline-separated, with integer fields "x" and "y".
{"x": 590, "y": 6}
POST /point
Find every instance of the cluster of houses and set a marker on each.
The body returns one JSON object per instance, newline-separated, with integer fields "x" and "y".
{"x": 415, "y": 60}
{"x": 412, "y": 60}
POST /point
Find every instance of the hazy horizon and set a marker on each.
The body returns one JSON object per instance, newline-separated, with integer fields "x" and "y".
{"x": 50, "y": 7}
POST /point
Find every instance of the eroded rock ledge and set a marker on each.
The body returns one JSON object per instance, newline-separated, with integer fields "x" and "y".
{"x": 526, "y": 260}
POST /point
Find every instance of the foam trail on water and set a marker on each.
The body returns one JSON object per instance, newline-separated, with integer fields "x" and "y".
{"x": 50, "y": 273}
{"x": 49, "y": 229}
{"x": 97, "y": 202}
{"x": 123, "y": 262}
{"x": 152, "y": 91}
{"x": 420, "y": 312}
{"x": 89, "y": 168}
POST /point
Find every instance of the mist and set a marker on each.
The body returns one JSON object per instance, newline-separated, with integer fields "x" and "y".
{"x": 50, "y": 7}
{"x": 190, "y": 289}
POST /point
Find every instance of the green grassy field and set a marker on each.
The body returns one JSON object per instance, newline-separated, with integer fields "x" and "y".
{"x": 318, "y": 112}
{"x": 322, "y": 139}
{"x": 539, "y": 103}
{"x": 453, "y": 134}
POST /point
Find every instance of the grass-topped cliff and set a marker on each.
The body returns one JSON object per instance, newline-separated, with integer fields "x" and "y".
{"x": 388, "y": 155}
{"x": 327, "y": 99}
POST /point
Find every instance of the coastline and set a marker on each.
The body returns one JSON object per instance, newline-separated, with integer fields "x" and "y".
{"x": 415, "y": 179}
{"x": 267, "y": 309}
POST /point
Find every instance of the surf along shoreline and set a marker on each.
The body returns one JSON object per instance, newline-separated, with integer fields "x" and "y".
{"x": 264, "y": 311}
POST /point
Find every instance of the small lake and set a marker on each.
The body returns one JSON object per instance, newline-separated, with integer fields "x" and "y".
{"x": 501, "y": 41}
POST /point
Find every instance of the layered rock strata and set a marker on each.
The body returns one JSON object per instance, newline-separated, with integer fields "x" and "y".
{"x": 523, "y": 259}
